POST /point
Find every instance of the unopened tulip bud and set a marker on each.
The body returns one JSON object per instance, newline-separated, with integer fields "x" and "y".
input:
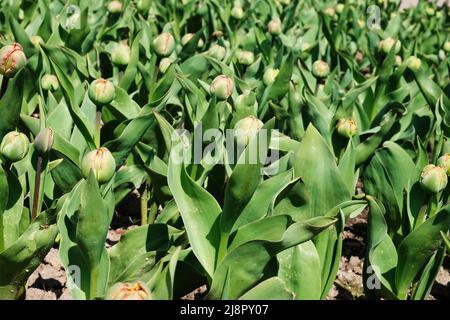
{"x": 433, "y": 178}
{"x": 274, "y": 27}
{"x": 43, "y": 142}
{"x": 36, "y": 41}
{"x": 143, "y": 5}
{"x": 246, "y": 58}
{"x": 164, "y": 44}
{"x": 129, "y": 291}
{"x": 398, "y": 61}
{"x": 285, "y": 2}
{"x": 217, "y": 51}
{"x": 101, "y": 92}
{"x": 14, "y": 146}
{"x": 346, "y": 127}
{"x": 270, "y": 75}
{"x": 186, "y": 38}
{"x": 237, "y": 12}
{"x": 320, "y": 69}
{"x": 361, "y": 23}
{"x": 413, "y": 63}
{"x": 329, "y": 11}
{"x": 222, "y": 87}
{"x": 50, "y": 82}
{"x": 305, "y": 46}
{"x": 246, "y": 129}
{"x": 387, "y": 44}
{"x": 447, "y": 45}
{"x": 121, "y": 54}
{"x": 164, "y": 64}
{"x": 115, "y": 6}
{"x": 430, "y": 11}
{"x": 444, "y": 162}
{"x": 245, "y": 99}
{"x": 340, "y": 8}
{"x": 12, "y": 60}
{"x": 101, "y": 162}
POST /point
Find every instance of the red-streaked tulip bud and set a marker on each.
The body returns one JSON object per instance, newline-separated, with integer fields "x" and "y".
{"x": 444, "y": 162}
{"x": 387, "y": 44}
{"x": 246, "y": 58}
{"x": 101, "y": 92}
{"x": 129, "y": 291}
{"x": 413, "y": 63}
{"x": 346, "y": 127}
{"x": 101, "y": 162}
{"x": 217, "y": 51}
{"x": 237, "y": 12}
{"x": 121, "y": 54}
{"x": 43, "y": 142}
{"x": 12, "y": 60}
{"x": 164, "y": 64}
{"x": 320, "y": 69}
{"x": 164, "y": 44}
{"x": 270, "y": 75}
{"x": 447, "y": 46}
{"x": 222, "y": 87}
{"x": 274, "y": 27}
{"x": 246, "y": 129}
{"x": 49, "y": 82}
{"x": 115, "y": 6}
{"x": 14, "y": 146}
{"x": 433, "y": 178}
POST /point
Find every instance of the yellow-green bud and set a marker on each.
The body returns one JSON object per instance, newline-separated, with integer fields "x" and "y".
{"x": 444, "y": 162}
{"x": 346, "y": 127}
{"x": 49, "y": 82}
{"x": 246, "y": 129}
{"x": 115, "y": 6}
{"x": 129, "y": 291}
{"x": 164, "y": 64}
{"x": 121, "y": 54}
{"x": 43, "y": 142}
{"x": 387, "y": 44}
{"x": 413, "y": 63}
{"x": 433, "y": 178}
{"x": 186, "y": 38}
{"x": 14, "y": 146}
{"x": 237, "y": 12}
{"x": 101, "y": 92}
{"x": 270, "y": 75}
{"x": 430, "y": 11}
{"x": 164, "y": 44}
{"x": 246, "y": 57}
{"x": 222, "y": 87}
{"x": 329, "y": 11}
{"x": 217, "y": 51}
{"x": 36, "y": 41}
{"x": 101, "y": 162}
{"x": 320, "y": 69}
{"x": 12, "y": 60}
{"x": 447, "y": 45}
{"x": 274, "y": 27}
{"x": 340, "y": 8}
{"x": 398, "y": 61}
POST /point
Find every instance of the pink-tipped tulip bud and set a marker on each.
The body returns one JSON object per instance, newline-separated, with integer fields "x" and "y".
{"x": 444, "y": 162}
{"x": 222, "y": 87}
{"x": 14, "y": 146}
{"x": 49, "y": 82}
{"x": 246, "y": 58}
{"x": 433, "y": 178}
{"x": 164, "y": 44}
{"x": 115, "y": 6}
{"x": 43, "y": 142}
{"x": 246, "y": 129}
{"x": 217, "y": 51}
{"x": 346, "y": 127}
{"x": 274, "y": 27}
{"x": 101, "y": 162}
{"x": 121, "y": 54}
{"x": 12, "y": 60}
{"x": 320, "y": 69}
{"x": 101, "y": 92}
{"x": 129, "y": 291}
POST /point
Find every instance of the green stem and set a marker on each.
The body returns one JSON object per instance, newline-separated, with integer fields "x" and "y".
{"x": 98, "y": 126}
{"x": 93, "y": 283}
{"x": 144, "y": 205}
{"x": 223, "y": 246}
{"x": 152, "y": 213}
{"x": 37, "y": 187}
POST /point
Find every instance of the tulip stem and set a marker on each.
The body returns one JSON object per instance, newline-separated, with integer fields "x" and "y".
{"x": 4, "y": 86}
{"x": 93, "y": 284}
{"x": 144, "y": 205}
{"x": 37, "y": 187}
{"x": 98, "y": 124}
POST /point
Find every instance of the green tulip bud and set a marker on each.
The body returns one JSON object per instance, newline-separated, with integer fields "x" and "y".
{"x": 320, "y": 69}
{"x": 14, "y": 146}
{"x": 447, "y": 46}
{"x": 49, "y": 82}
{"x": 444, "y": 162}
{"x": 237, "y": 12}
{"x": 217, "y": 52}
{"x": 101, "y": 92}
{"x": 115, "y": 7}
{"x": 128, "y": 291}
{"x": 164, "y": 64}
{"x": 143, "y": 5}
{"x": 387, "y": 44}
{"x": 274, "y": 27}
{"x": 164, "y": 44}
{"x": 101, "y": 162}
{"x": 121, "y": 54}
{"x": 340, "y": 8}
{"x": 43, "y": 142}
{"x": 222, "y": 87}
{"x": 413, "y": 63}
{"x": 270, "y": 75}
{"x": 433, "y": 178}
{"x": 12, "y": 60}
{"x": 246, "y": 58}
{"x": 430, "y": 11}
{"x": 361, "y": 23}
{"x": 346, "y": 127}
{"x": 246, "y": 129}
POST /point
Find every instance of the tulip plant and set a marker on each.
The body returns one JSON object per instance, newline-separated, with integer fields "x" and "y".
{"x": 241, "y": 128}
